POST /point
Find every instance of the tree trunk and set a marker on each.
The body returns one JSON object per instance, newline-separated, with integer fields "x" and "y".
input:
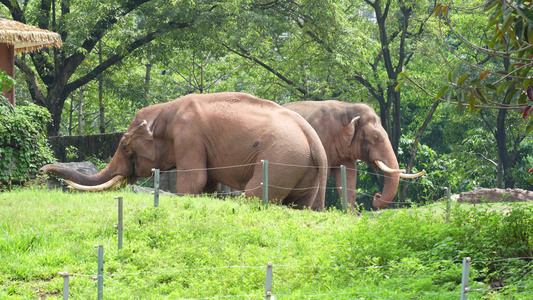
{"x": 147, "y": 75}
{"x": 414, "y": 150}
{"x": 507, "y": 159}
{"x": 70, "y": 115}
{"x": 101, "y": 90}
{"x": 80, "y": 112}
{"x": 396, "y": 130}
{"x": 499, "y": 180}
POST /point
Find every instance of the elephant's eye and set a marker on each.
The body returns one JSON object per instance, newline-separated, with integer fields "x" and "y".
{"x": 125, "y": 150}
{"x": 373, "y": 138}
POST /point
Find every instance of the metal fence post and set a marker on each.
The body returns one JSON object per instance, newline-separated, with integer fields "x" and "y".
{"x": 65, "y": 284}
{"x": 264, "y": 184}
{"x": 344, "y": 196}
{"x": 464, "y": 282}
{"x": 156, "y": 187}
{"x": 120, "y": 226}
{"x": 100, "y": 272}
{"x": 268, "y": 282}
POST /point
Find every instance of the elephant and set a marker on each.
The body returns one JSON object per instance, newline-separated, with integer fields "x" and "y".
{"x": 213, "y": 139}
{"x": 349, "y": 132}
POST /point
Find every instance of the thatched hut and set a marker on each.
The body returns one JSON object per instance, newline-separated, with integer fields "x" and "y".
{"x": 17, "y": 37}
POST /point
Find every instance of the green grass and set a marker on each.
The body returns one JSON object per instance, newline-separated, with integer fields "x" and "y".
{"x": 201, "y": 247}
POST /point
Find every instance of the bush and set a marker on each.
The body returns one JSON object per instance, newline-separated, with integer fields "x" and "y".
{"x": 23, "y": 145}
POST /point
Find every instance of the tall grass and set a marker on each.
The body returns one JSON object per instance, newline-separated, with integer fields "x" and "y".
{"x": 202, "y": 247}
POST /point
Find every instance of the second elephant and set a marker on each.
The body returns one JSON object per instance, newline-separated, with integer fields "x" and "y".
{"x": 349, "y": 132}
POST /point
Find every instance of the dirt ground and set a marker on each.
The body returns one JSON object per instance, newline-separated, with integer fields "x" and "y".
{"x": 494, "y": 195}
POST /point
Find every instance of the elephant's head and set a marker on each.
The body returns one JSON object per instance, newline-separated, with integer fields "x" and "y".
{"x": 366, "y": 137}
{"x": 134, "y": 158}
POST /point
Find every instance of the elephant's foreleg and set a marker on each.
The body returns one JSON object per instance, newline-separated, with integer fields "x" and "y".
{"x": 190, "y": 182}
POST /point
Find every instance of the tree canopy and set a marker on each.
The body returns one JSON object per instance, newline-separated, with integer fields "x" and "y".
{"x": 450, "y": 79}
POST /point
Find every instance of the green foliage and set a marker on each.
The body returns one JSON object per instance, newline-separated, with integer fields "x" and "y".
{"x": 73, "y": 153}
{"x": 508, "y": 35}
{"x": 197, "y": 247}
{"x": 6, "y": 82}
{"x": 23, "y": 145}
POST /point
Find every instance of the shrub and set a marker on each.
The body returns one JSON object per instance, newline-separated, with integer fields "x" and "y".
{"x": 23, "y": 145}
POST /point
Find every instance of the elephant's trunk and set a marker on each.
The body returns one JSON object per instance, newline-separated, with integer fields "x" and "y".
{"x": 392, "y": 177}
{"x": 104, "y": 180}
{"x": 390, "y": 187}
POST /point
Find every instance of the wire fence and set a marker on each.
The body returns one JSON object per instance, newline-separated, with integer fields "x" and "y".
{"x": 269, "y": 284}
{"x": 259, "y": 164}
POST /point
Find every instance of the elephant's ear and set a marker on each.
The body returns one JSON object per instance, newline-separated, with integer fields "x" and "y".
{"x": 348, "y": 131}
{"x": 141, "y": 141}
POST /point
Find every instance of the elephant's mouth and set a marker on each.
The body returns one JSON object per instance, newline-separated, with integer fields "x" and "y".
{"x": 116, "y": 182}
{"x": 401, "y": 172}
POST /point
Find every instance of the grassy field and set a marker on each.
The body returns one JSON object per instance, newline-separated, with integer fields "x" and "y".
{"x": 201, "y": 247}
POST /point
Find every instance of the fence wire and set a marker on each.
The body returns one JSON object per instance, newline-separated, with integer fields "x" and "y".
{"x": 426, "y": 262}
{"x": 173, "y": 271}
{"x": 409, "y": 181}
{"x": 281, "y": 294}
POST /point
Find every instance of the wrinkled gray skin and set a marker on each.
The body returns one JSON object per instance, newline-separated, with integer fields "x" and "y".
{"x": 206, "y": 134}
{"x": 347, "y": 138}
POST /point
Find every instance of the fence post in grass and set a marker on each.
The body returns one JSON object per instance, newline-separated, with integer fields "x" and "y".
{"x": 344, "y": 196}
{"x": 264, "y": 184}
{"x": 464, "y": 282}
{"x": 65, "y": 284}
{"x": 100, "y": 272}
{"x": 448, "y": 204}
{"x": 156, "y": 187}
{"x": 120, "y": 226}
{"x": 268, "y": 282}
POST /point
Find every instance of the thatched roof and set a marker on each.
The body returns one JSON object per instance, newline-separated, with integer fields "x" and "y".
{"x": 27, "y": 38}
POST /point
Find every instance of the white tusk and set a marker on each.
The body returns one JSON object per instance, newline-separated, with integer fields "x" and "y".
{"x": 403, "y": 175}
{"x": 101, "y": 187}
{"x": 386, "y": 169}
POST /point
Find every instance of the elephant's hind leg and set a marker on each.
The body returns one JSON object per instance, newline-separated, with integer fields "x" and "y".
{"x": 276, "y": 190}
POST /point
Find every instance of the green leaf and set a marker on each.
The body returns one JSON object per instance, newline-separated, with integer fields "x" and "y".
{"x": 462, "y": 79}
{"x": 502, "y": 86}
{"x": 437, "y": 9}
{"x": 511, "y": 95}
{"x": 471, "y": 102}
{"x": 519, "y": 30}
{"x": 474, "y": 82}
{"x": 489, "y": 7}
{"x": 482, "y": 75}
{"x": 481, "y": 96}
{"x": 507, "y": 20}
{"x": 441, "y": 92}
{"x": 525, "y": 13}
{"x": 522, "y": 98}
{"x": 529, "y": 128}
{"x": 398, "y": 86}
{"x": 450, "y": 92}
{"x": 530, "y": 33}
{"x": 490, "y": 86}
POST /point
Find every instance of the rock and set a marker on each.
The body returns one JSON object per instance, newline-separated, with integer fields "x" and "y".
{"x": 494, "y": 195}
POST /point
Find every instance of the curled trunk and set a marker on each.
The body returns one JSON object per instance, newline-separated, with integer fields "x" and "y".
{"x": 390, "y": 187}
{"x": 392, "y": 180}
{"x": 104, "y": 180}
